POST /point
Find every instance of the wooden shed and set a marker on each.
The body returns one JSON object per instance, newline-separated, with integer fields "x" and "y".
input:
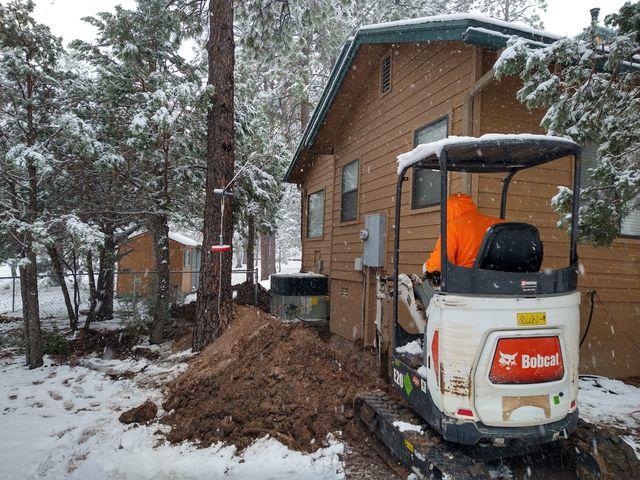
{"x": 136, "y": 269}
{"x": 399, "y": 84}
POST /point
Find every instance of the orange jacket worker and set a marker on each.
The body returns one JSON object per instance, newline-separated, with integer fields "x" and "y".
{"x": 466, "y": 228}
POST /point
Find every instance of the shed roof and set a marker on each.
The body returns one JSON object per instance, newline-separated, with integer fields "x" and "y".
{"x": 173, "y": 235}
{"x": 470, "y": 28}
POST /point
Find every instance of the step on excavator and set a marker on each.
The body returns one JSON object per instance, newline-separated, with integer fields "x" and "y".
{"x": 493, "y": 369}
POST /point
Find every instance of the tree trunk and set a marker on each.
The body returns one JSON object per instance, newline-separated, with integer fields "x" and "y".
{"x": 267, "y": 255}
{"x": 272, "y": 253}
{"x": 31, "y": 315}
{"x": 213, "y": 309}
{"x": 29, "y": 281}
{"x": 251, "y": 248}
{"x": 58, "y": 271}
{"x": 264, "y": 257}
{"x": 305, "y": 105}
{"x": 92, "y": 291}
{"x": 102, "y": 308}
{"x": 239, "y": 259}
{"x": 159, "y": 227}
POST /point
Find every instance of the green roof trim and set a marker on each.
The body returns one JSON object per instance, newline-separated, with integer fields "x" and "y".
{"x": 474, "y": 29}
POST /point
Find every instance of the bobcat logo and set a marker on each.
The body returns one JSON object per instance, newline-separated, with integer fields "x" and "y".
{"x": 507, "y": 360}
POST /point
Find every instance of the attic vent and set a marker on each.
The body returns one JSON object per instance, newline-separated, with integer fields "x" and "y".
{"x": 385, "y": 74}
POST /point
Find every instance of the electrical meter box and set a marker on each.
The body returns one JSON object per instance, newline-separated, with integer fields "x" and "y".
{"x": 375, "y": 240}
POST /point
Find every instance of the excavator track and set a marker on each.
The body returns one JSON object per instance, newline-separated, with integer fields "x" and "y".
{"x": 422, "y": 452}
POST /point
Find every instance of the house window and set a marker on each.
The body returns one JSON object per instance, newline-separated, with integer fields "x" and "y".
{"x": 349, "y": 204}
{"x": 630, "y": 225}
{"x": 315, "y": 214}
{"x": 425, "y": 189}
{"x": 187, "y": 258}
{"x": 385, "y": 74}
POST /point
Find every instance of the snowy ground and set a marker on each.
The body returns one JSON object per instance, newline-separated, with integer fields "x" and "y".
{"x": 63, "y": 423}
{"x": 52, "y": 307}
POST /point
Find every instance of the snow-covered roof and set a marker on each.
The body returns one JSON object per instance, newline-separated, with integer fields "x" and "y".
{"x": 173, "y": 235}
{"x": 463, "y": 16}
{"x": 426, "y": 150}
{"x": 470, "y": 28}
{"x": 183, "y": 239}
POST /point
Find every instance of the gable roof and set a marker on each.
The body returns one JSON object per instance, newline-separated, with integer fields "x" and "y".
{"x": 173, "y": 235}
{"x": 469, "y": 28}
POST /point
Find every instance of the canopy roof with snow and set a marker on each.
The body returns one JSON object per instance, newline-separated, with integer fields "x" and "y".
{"x": 489, "y": 153}
{"x": 469, "y": 28}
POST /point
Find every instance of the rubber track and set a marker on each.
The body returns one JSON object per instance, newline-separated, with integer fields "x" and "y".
{"x": 444, "y": 457}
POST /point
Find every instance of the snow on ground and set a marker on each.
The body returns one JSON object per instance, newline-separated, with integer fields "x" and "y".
{"x": 605, "y": 401}
{"x": 609, "y": 401}
{"x": 62, "y": 422}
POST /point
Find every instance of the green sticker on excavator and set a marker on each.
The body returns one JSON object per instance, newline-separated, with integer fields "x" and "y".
{"x": 407, "y": 384}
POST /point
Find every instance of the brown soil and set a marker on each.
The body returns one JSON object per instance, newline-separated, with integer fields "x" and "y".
{"x": 141, "y": 414}
{"x": 109, "y": 343}
{"x": 245, "y": 295}
{"x": 262, "y": 377}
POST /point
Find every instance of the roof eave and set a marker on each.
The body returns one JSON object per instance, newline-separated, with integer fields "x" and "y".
{"x": 452, "y": 30}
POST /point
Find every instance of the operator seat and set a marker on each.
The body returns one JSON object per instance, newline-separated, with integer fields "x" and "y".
{"x": 510, "y": 247}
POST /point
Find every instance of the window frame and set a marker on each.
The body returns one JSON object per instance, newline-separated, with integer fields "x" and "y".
{"x": 353, "y": 190}
{"x": 585, "y": 183}
{"x": 186, "y": 258}
{"x": 444, "y": 118}
{"x": 631, "y": 236}
{"x": 321, "y": 236}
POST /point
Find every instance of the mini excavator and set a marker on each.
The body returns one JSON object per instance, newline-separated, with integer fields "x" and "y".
{"x": 495, "y": 373}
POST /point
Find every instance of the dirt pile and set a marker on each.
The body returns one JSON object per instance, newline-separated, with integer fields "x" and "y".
{"x": 245, "y": 295}
{"x": 141, "y": 414}
{"x": 262, "y": 377}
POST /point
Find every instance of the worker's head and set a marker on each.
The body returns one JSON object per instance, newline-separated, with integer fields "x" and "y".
{"x": 459, "y": 204}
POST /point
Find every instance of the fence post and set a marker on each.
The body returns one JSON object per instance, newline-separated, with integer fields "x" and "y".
{"x": 13, "y": 294}
{"x": 255, "y": 287}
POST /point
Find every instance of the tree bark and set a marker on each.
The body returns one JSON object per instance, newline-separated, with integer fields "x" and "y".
{"x": 264, "y": 257}
{"x": 305, "y": 105}
{"x": 267, "y": 255}
{"x": 102, "y": 308}
{"x": 58, "y": 271}
{"x": 213, "y": 309}
{"x": 31, "y": 315}
{"x": 251, "y": 248}
{"x": 92, "y": 291}
{"x": 159, "y": 228}
{"x": 29, "y": 280}
{"x": 272, "y": 253}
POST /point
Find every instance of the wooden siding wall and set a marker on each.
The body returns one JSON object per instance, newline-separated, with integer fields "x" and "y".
{"x": 429, "y": 81}
{"x": 318, "y": 177}
{"x": 141, "y": 259}
{"x": 614, "y": 272}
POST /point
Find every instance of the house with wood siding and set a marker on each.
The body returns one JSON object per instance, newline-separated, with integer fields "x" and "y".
{"x": 400, "y": 84}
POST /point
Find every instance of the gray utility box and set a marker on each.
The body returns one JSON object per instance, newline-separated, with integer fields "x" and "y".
{"x": 375, "y": 240}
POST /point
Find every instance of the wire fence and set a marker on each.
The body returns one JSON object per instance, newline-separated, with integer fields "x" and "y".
{"x": 134, "y": 292}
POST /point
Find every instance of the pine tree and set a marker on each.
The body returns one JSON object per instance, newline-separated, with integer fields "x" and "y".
{"x": 523, "y": 11}
{"x": 214, "y": 291}
{"x": 590, "y": 88}
{"x": 29, "y": 56}
{"x": 157, "y": 102}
